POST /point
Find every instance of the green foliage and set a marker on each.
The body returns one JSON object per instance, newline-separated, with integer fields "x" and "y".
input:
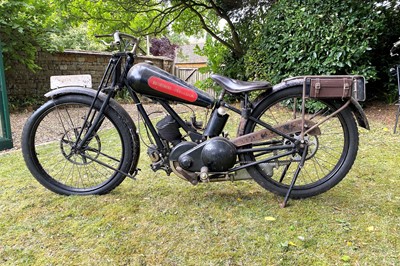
{"x": 215, "y": 53}
{"x": 246, "y": 18}
{"x": 24, "y": 26}
{"x": 76, "y": 38}
{"x": 322, "y": 37}
{"x": 189, "y": 23}
{"x": 139, "y": 18}
{"x": 311, "y": 106}
{"x": 17, "y": 104}
{"x": 220, "y": 60}
{"x": 261, "y": 39}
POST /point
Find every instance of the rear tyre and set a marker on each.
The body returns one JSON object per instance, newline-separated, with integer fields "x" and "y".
{"x": 330, "y": 156}
{"x": 48, "y": 146}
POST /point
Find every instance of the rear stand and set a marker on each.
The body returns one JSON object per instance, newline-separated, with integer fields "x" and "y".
{"x": 296, "y": 174}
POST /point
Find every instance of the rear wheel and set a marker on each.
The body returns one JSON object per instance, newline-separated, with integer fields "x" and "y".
{"x": 330, "y": 154}
{"x": 50, "y": 151}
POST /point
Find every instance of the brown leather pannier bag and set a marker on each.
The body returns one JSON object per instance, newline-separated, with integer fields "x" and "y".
{"x": 343, "y": 87}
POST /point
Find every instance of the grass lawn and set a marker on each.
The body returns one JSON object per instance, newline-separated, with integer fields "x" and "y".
{"x": 161, "y": 220}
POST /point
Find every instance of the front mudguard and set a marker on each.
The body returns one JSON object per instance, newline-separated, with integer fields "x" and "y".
{"x": 294, "y": 82}
{"x": 77, "y": 90}
{"x": 53, "y": 94}
{"x": 92, "y": 93}
{"x": 74, "y": 90}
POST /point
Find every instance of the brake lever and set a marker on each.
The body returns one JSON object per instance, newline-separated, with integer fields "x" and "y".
{"x": 110, "y": 44}
{"x": 106, "y": 43}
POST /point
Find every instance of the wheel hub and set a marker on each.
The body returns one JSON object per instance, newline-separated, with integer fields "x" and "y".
{"x": 312, "y": 143}
{"x": 79, "y": 156}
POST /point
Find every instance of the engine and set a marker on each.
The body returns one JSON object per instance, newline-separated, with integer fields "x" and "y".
{"x": 168, "y": 129}
{"x": 189, "y": 160}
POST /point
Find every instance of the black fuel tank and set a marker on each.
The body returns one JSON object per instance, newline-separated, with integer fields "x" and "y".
{"x": 150, "y": 80}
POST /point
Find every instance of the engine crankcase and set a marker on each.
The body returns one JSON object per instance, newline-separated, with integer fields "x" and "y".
{"x": 217, "y": 154}
{"x": 178, "y": 150}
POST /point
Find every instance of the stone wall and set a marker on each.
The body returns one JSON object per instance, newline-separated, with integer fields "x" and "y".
{"x": 23, "y": 84}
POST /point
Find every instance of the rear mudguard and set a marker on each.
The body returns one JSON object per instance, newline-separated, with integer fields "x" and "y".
{"x": 294, "y": 82}
{"x": 53, "y": 94}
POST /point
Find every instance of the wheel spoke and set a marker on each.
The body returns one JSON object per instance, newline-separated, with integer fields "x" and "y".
{"x": 56, "y": 161}
{"x": 328, "y": 151}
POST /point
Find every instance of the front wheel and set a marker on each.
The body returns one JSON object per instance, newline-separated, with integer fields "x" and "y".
{"x": 49, "y": 147}
{"x": 330, "y": 153}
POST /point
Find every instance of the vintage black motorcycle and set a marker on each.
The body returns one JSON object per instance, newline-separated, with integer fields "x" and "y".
{"x": 297, "y": 139}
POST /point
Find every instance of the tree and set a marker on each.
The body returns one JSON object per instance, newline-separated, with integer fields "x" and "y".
{"x": 189, "y": 17}
{"x": 24, "y": 26}
{"x": 325, "y": 37}
{"x": 163, "y": 47}
{"x": 155, "y": 17}
{"x": 76, "y": 38}
{"x": 264, "y": 39}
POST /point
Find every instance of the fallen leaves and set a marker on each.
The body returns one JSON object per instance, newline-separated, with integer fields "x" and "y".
{"x": 269, "y": 218}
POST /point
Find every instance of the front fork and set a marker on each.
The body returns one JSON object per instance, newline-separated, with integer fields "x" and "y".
{"x": 94, "y": 121}
{"x": 111, "y": 75}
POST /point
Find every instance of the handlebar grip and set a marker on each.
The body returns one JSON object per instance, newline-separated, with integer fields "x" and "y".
{"x": 117, "y": 39}
{"x": 396, "y": 46}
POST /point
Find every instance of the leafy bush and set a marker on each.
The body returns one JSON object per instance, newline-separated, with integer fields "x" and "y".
{"x": 24, "y": 26}
{"x": 76, "y": 38}
{"x": 13, "y": 26}
{"x": 324, "y": 37}
{"x": 311, "y": 106}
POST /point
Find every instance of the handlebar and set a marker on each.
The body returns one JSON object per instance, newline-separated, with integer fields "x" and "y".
{"x": 396, "y": 46}
{"x": 118, "y": 36}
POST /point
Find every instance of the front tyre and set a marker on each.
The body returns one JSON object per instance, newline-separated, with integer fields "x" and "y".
{"x": 48, "y": 145}
{"x": 330, "y": 155}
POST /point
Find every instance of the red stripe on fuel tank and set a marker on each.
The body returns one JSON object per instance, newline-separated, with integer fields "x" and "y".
{"x": 172, "y": 89}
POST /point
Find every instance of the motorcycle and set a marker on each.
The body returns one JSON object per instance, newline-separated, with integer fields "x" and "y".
{"x": 297, "y": 139}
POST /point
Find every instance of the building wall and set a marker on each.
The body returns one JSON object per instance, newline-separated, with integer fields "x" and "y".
{"x": 22, "y": 83}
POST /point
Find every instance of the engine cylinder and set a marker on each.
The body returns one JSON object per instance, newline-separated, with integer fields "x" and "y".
{"x": 168, "y": 129}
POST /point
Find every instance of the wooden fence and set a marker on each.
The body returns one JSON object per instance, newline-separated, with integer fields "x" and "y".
{"x": 192, "y": 75}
